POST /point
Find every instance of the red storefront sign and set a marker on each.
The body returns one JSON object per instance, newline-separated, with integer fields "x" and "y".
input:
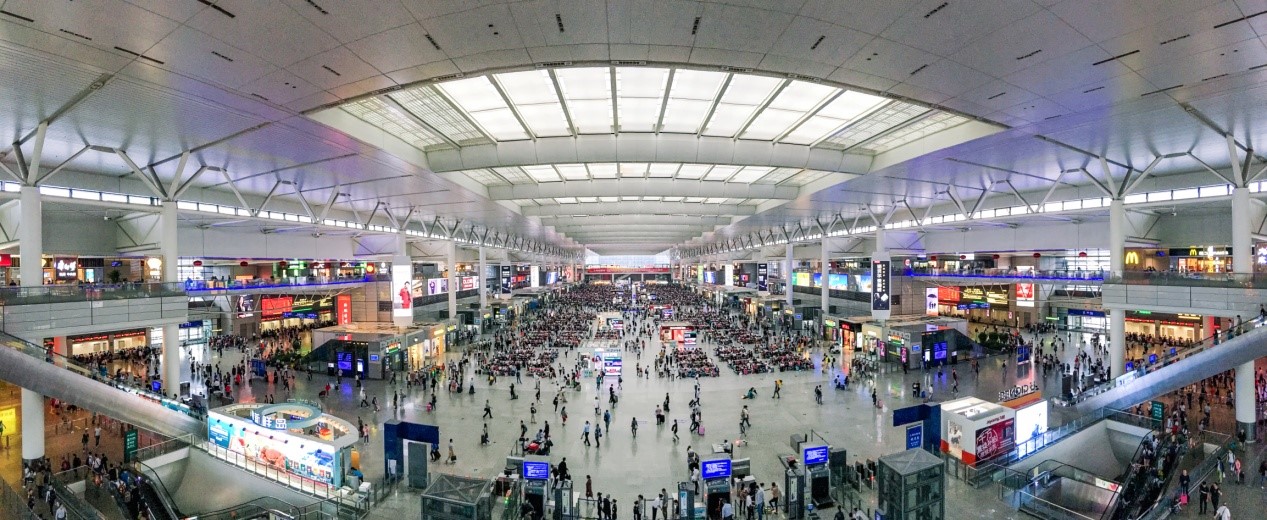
{"x": 276, "y": 306}
{"x": 948, "y": 294}
{"x": 343, "y": 309}
{"x": 624, "y": 270}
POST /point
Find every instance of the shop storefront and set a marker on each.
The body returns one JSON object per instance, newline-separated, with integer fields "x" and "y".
{"x": 194, "y": 332}
{"x": 377, "y": 352}
{"x": 1186, "y": 327}
{"x": 1201, "y": 259}
{"x": 107, "y": 342}
{"x": 1093, "y": 320}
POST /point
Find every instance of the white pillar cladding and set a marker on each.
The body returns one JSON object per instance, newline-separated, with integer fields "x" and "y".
{"x": 171, "y": 361}
{"x": 453, "y": 279}
{"x": 30, "y": 250}
{"x": 729, "y": 272}
{"x": 1243, "y": 264}
{"x": 1117, "y": 317}
{"x": 787, "y": 275}
{"x": 824, "y": 266}
{"x": 483, "y": 281}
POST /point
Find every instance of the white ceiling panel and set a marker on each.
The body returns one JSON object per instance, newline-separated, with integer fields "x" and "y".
{"x": 754, "y": 30}
{"x": 351, "y": 20}
{"x": 479, "y": 30}
{"x": 397, "y": 48}
{"x": 801, "y": 40}
{"x": 108, "y": 23}
{"x": 197, "y": 54}
{"x": 867, "y": 17}
{"x": 265, "y": 28}
{"x": 924, "y": 25}
{"x": 335, "y": 67}
{"x": 1107, "y": 19}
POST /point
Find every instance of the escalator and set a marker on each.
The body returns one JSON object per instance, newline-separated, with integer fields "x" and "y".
{"x": 1194, "y": 364}
{"x": 154, "y": 503}
{"x": 34, "y": 368}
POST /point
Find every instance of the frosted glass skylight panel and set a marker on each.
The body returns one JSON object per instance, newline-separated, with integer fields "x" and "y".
{"x": 633, "y": 169}
{"x": 587, "y": 92}
{"x": 541, "y": 173}
{"x": 692, "y": 171}
{"x": 806, "y": 177}
{"x": 533, "y": 94}
{"x": 514, "y": 174}
{"x": 603, "y": 170}
{"x": 630, "y": 198}
{"x": 714, "y": 200}
{"x": 662, "y": 170}
{"x": 695, "y": 200}
{"x": 792, "y": 104}
{"x": 892, "y": 115}
{"x": 573, "y": 172}
{"x": 375, "y": 112}
{"x": 486, "y": 177}
{"x": 427, "y": 103}
{"x": 480, "y": 100}
{"x": 778, "y": 175}
{"x": 742, "y": 98}
{"x": 690, "y": 96}
{"x": 639, "y": 95}
{"x": 565, "y": 200}
{"x": 751, "y": 173}
{"x": 833, "y": 116}
{"x": 922, "y": 128}
{"x": 609, "y": 199}
{"x": 673, "y": 199}
{"x": 721, "y": 173}
{"x": 587, "y": 199}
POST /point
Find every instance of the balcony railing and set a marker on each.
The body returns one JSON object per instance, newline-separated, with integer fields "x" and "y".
{"x": 31, "y": 295}
{"x": 195, "y": 286}
{"x": 1191, "y": 279}
{"x": 1039, "y": 275}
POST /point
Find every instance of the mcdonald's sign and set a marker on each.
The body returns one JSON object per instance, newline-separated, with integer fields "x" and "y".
{"x": 1132, "y": 258}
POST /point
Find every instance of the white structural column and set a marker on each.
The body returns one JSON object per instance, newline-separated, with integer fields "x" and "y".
{"x": 483, "y": 280}
{"x": 728, "y": 271}
{"x": 825, "y": 268}
{"x": 787, "y": 275}
{"x": 167, "y": 244}
{"x": 30, "y": 247}
{"x": 1243, "y": 263}
{"x": 1117, "y": 317}
{"x": 453, "y": 279}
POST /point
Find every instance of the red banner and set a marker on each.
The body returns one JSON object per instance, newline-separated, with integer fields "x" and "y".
{"x": 996, "y": 439}
{"x": 276, "y": 306}
{"x": 343, "y": 309}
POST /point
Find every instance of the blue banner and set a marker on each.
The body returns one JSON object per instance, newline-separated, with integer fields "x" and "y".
{"x": 914, "y": 436}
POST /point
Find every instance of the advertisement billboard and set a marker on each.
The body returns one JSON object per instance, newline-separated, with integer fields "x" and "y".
{"x": 437, "y": 286}
{"x": 864, "y": 282}
{"x": 244, "y": 305}
{"x": 276, "y": 306}
{"x": 302, "y": 457}
{"x": 1031, "y": 421}
{"x": 838, "y": 282}
{"x": 930, "y": 301}
{"x": 948, "y": 294}
{"x": 817, "y": 279}
{"x": 801, "y": 279}
{"x": 468, "y": 282}
{"x": 343, "y": 309}
{"x": 880, "y": 285}
{"x": 1024, "y": 295}
{"x": 996, "y": 439}
{"x": 402, "y": 290}
{"x": 65, "y": 268}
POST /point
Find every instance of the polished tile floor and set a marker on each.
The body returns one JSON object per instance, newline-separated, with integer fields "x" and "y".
{"x": 626, "y": 466}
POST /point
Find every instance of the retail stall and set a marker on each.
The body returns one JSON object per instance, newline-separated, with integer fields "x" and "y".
{"x": 376, "y": 350}
{"x": 292, "y": 437}
{"x": 974, "y": 430}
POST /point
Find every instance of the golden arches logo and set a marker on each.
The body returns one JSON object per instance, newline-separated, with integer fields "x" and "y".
{"x": 1132, "y": 258}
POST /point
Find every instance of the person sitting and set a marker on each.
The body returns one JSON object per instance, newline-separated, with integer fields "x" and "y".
{"x": 752, "y": 393}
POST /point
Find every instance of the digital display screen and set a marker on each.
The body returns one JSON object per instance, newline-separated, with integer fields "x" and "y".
{"x": 402, "y": 290}
{"x": 536, "y": 470}
{"x": 716, "y": 468}
{"x": 880, "y": 285}
{"x": 815, "y": 455}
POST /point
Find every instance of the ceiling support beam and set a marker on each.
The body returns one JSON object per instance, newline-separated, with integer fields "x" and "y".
{"x": 59, "y": 167}
{"x": 177, "y": 175}
{"x": 1128, "y": 189}
{"x": 232, "y": 187}
{"x": 558, "y": 93}
{"x": 148, "y": 177}
{"x": 712, "y": 105}
{"x": 664, "y": 102}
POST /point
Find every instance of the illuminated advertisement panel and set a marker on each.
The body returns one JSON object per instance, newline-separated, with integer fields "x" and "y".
{"x": 303, "y": 457}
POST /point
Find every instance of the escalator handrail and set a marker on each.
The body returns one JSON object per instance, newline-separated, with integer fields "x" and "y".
{"x": 1166, "y": 359}
{"x": 73, "y": 365}
{"x": 164, "y": 496}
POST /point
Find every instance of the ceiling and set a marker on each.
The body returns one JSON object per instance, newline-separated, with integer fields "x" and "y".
{"x": 693, "y": 121}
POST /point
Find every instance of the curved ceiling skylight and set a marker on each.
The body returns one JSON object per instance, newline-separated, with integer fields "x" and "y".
{"x": 564, "y": 102}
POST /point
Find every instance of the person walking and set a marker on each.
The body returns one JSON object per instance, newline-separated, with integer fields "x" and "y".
{"x": 96, "y": 433}
{"x": 633, "y": 427}
{"x": 589, "y": 487}
{"x": 1204, "y": 495}
{"x": 598, "y": 436}
{"x": 488, "y": 410}
{"x": 778, "y": 388}
{"x": 674, "y": 430}
{"x": 585, "y": 436}
{"x": 1215, "y": 494}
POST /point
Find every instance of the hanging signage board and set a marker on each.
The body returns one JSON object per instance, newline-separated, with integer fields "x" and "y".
{"x": 880, "y": 290}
